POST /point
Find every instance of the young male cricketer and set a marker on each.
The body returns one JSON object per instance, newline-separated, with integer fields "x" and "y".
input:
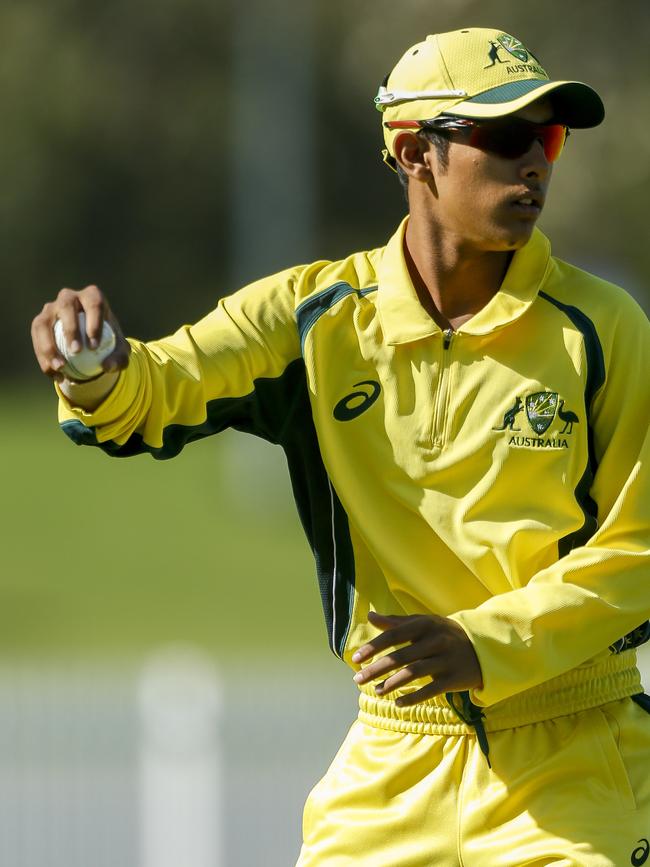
{"x": 465, "y": 419}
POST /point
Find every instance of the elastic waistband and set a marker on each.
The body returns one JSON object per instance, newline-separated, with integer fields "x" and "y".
{"x": 580, "y": 689}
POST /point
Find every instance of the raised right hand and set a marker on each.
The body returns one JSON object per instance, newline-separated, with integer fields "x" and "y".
{"x": 66, "y": 306}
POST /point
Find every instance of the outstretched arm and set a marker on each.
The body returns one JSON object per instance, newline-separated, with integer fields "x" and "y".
{"x": 157, "y": 396}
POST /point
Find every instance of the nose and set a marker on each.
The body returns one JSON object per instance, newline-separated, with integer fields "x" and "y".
{"x": 534, "y": 163}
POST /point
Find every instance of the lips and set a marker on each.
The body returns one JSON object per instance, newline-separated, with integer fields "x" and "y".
{"x": 532, "y": 200}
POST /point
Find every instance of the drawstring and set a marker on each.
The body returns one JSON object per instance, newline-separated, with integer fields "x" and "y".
{"x": 472, "y": 716}
{"x": 642, "y": 700}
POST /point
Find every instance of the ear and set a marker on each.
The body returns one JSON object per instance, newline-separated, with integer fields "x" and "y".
{"x": 412, "y": 152}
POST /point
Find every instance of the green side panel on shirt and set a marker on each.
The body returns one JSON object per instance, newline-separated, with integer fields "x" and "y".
{"x": 595, "y": 379}
{"x": 279, "y": 411}
{"x": 308, "y": 313}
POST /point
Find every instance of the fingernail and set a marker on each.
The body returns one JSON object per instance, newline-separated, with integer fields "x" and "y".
{"x": 57, "y": 363}
{"x": 358, "y": 677}
{"x": 94, "y": 343}
{"x": 356, "y": 656}
{"x": 75, "y": 347}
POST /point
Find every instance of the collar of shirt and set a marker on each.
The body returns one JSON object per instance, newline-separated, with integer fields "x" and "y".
{"x": 404, "y": 319}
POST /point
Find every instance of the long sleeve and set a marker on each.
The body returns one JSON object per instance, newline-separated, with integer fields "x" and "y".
{"x": 232, "y": 368}
{"x": 596, "y": 593}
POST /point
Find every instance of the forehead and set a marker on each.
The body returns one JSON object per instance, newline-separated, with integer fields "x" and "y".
{"x": 540, "y": 111}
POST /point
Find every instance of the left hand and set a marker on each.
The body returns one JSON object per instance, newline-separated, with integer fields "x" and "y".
{"x": 435, "y": 647}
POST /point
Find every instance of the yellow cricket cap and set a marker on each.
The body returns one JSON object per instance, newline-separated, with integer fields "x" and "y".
{"x": 477, "y": 73}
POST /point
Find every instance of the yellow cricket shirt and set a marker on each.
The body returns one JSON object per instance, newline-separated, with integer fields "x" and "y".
{"x": 498, "y": 474}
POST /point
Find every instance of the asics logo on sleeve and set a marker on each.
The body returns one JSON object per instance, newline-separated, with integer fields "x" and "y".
{"x": 353, "y": 404}
{"x": 640, "y": 854}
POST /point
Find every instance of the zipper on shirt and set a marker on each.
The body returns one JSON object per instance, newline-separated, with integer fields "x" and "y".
{"x": 440, "y": 408}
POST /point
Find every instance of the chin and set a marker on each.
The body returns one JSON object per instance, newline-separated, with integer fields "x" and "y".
{"x": 512, "y": 239}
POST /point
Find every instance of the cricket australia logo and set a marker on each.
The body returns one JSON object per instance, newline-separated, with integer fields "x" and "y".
{"x": 542, "y": 408}
{"x": 513, "y": 47}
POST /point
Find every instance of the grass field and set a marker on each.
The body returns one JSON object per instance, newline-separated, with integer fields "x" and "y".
{"x": 114, "y": 557}
{"x": 102, "y": 555}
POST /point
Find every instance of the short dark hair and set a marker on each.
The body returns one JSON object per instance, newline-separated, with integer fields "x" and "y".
{"x": 440, "y": 143}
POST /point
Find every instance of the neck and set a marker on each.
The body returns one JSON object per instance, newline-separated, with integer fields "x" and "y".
{"x": 453, "y": 279}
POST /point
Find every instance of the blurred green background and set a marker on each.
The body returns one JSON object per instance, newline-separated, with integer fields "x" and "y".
{"x": 170, "y": 152}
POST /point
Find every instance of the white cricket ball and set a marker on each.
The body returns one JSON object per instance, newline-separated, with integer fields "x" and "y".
{"x": 87, "y": 363}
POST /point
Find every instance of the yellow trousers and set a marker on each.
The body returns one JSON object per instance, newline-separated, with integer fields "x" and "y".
{"x": 411, "y": 787}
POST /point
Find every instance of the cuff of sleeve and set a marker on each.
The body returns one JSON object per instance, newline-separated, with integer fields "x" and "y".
{"x": 494, "y": 650}
{"x": 104, "y": 417}
{"x": 93, "y": 391}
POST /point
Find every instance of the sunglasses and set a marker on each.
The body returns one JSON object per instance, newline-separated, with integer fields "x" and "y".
{"x": 508, "y": 137}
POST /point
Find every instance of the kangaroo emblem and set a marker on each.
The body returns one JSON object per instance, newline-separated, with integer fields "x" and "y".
{"x": 493, "y": 56}
{"x": 569, "y": 418}
{"x": 509, "y": 417}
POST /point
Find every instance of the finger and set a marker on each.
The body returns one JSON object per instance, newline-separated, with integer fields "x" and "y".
{"x": 45, "y": 348}
{"x": 395, "y": 659}
{"x": 119, "y": 358}
{"x": 409, "y": 628}
{"x": 438, "y": 687}
{"x": 429, "y": 667}
{"x": 94, "y": 306}
{"x": 67, "y": 310}
{"x": 384, "y": 620}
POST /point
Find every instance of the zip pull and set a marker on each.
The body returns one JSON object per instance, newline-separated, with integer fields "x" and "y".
{"x": 448, "y": 333}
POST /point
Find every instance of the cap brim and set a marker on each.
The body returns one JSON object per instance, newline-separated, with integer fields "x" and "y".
{"x": 575, "y": 104}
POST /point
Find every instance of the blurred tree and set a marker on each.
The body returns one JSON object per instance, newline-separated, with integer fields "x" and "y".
{"x": 117, "y": 143}
{"x": 115, "y": 168}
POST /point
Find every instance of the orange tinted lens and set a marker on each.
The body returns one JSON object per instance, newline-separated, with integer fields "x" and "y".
{"x": 513, "y": 138}
{"x": 554, "y": 135}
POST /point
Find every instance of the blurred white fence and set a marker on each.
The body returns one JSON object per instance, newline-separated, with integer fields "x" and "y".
{"x": 165, "y": 766}
{"x": 169, "y": 765}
